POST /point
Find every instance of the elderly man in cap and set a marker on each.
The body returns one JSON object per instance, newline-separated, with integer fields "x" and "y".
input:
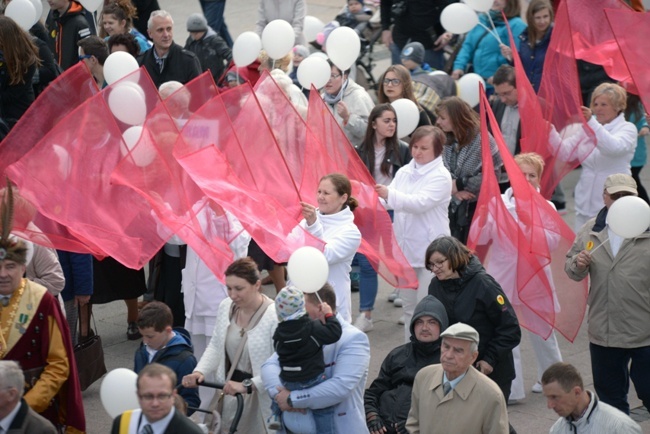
{"x": 619, "y": 305}
{"x": 454, "y": 387}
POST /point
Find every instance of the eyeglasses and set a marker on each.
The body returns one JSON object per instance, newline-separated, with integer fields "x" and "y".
{"x": 150, "y": 398}
{"x": 437, "y": 264}
{"x": 334, "y": 76}
{"x": 85, "y": 56}
{"x": 392, "y": 81}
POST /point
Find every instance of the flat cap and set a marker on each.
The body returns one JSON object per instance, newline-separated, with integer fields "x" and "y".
{"x": 461, "y": 331}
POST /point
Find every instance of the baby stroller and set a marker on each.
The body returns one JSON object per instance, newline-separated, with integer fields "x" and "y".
{"x": 213, "y": 418}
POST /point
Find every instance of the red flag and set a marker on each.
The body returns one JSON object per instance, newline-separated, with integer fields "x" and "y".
{"x": 593, "y": 39}
{"x": 531, "y": 233}
{"x": 621, "y": 21}
{"x": 67, "y": 176}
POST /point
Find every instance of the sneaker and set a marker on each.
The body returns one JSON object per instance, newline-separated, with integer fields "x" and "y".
{"x": 393, "y": 295}
{"x": 132, "y": 333}
{"x": 274, "y": 423}
{"x": 537, "y": 387}
{"x": 401, "y": 320}
{"x": 364, "y": 323}
{"x": 398, "y": 302}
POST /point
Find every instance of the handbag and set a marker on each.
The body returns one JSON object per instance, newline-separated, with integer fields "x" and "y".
{"x": 89, "y": 355}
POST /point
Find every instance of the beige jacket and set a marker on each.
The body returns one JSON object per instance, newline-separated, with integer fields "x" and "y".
{"x": 619, "y": 295}
{"x": 475, "y": 406}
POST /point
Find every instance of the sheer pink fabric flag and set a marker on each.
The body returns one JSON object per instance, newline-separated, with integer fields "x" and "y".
{"x": 191, "y": 97}
{"x": 593, "y": 39}
{"x": 570, "y": 140}
{"x": 634, "y": 53}
{"x": 61, "y": 97}
{"x": 151, "y": 170}
{"x": 67, "y": 175}
{"x": 536, "y": 238}
{"x": 255, "y": 185}
{"x": 329, "y": 150}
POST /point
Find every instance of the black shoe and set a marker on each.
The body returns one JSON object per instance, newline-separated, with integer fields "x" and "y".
{"x": 132, "y": 333}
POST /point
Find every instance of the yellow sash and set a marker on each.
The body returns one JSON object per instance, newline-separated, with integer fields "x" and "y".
{"x": 17, "y": 316}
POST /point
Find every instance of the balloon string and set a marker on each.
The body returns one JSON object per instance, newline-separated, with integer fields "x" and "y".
{"x": 599, "y": 246}
{"x": 318, "y": 296}
{"x": 492, "y": 31}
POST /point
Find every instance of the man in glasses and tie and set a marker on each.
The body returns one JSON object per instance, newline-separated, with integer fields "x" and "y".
{"x": 156, "y": 415}
{"x": 33, "y": 332}
{"x": 455, "y": 387}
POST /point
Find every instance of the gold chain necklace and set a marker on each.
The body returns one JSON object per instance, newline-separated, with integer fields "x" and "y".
{"x": 5, "y": 327}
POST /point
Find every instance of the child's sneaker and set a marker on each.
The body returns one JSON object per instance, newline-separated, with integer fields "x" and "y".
{"x": 274, "y": 423}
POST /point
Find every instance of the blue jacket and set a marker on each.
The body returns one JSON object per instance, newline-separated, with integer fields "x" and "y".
{"x": 178, "y": 355}
{"x": 532, "y": 58}
{"x": 482, "y": 50}
{"x": 78, "y": 273}
{"x": 640, "y": 153}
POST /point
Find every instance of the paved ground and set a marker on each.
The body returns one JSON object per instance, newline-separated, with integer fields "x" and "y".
{"x": 529, "y": 416}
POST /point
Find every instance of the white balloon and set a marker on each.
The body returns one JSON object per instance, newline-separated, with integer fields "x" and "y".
{"x": 118, "y": 65}
{"x": 438, "y": 72}
{"x": 408, "y": 116}
{"x": 127, "y": 103}
{"x": 468, "y": 88}
{"x": 23, "y": 13}
{"x": 312, "y": 27}
{"x": 343, "y": 47}
{"x": 314, "y": 70}
{"x": 278, "y": 38}
{"x": 38, "y": 7}
{"x": 458, "y": 18}
{"x": 308, "y": 269}
{"x": 629, "y": 216}
{"x": 118, "y": 391}
{"x": 246, "y": 48}
{"x": 91, "y": 5}
{"x": 320, "y": 54}
{"x": 480, "y": 5}
{"x": 143, "y": 154}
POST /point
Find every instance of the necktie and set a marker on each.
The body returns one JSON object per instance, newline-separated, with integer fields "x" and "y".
{"x": 446, "y": 387}
{"x": 146, "y": 429}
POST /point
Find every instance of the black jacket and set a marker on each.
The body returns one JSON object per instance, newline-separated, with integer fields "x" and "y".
{"x": 420, "y": 22}
{"x": 179, "y": 424}
{"x": 477, "y": 299}
{"x": 212, "y": 51}
{"x": 389, "y": 395}
{"x": 65, "y": 31}
{"x": 299, "y": 344}
{"x": 397, "y": 160}
{"x": 15, "y": 99}
{"x": 180, "y": 65}
{"x": 499, "y": 108}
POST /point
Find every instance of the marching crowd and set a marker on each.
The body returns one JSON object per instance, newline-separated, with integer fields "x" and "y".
{"x": 301, "y": 360}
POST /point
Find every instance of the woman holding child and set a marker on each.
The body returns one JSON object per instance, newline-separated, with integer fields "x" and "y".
{"x": 242, "y": 340}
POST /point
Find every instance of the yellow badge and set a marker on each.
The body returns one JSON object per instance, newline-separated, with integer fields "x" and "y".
{"x": 589, "y": 245}
{"x": 500, "y": 300}
{"x": 53, "y": 34}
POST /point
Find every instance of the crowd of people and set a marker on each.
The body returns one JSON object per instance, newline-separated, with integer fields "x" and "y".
{"x": 301, "y": 360}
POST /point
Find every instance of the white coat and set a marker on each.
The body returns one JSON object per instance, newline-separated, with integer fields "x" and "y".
{"x": 420, "y": 197}
{"x": 343, "y": 240}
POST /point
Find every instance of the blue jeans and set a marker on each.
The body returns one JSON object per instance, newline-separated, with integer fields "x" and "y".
{"x": 323, "y": 417}
{"x": 213, "y": 11}
{"x": 435, "y": 58}
{"x": 609, "y": 367}
{"x": 368, "y": 283}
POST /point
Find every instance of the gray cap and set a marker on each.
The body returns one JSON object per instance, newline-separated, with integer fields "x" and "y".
{"x": 620, "y": 182}
{"x": 197, "y": 23}
{"x": 413, "y": 51}
{"x": 461, "y": 331}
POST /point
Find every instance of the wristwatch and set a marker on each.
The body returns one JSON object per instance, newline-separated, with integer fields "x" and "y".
{"x": 248, "y": 384}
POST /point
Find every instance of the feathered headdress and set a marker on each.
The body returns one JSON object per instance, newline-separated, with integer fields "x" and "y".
{"x": 11, "y": 248}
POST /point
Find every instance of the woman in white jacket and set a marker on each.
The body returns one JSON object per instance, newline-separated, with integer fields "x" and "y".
{"x": 246, "y": 313}
{"x": 615, "y": 145}
{"x": 333, "y": 222}
{"x": 419, "y": 194}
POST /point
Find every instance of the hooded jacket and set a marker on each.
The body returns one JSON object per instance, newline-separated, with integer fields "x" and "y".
{"x": 177, "y": 355}
{"x": 476, "y": 299}
{"x": 212, "y": 51}
{"x": 65, "y": 31}
{"x": 389, "y": 395}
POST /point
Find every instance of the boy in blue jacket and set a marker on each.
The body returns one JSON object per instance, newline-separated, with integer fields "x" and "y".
{"x": 167, "y": 346}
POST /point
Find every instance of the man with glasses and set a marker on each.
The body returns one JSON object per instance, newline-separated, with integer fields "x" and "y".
{"x": 156, "y": 415}
{"x": 93, "y": 51}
